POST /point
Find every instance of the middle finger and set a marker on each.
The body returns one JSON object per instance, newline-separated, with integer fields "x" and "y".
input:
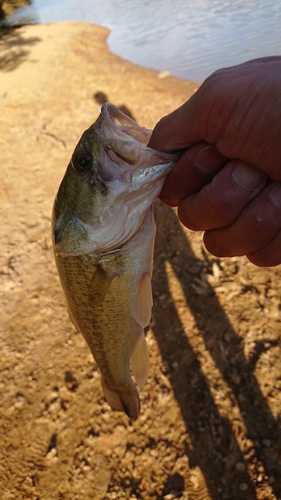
{"x": 220, "y": 202}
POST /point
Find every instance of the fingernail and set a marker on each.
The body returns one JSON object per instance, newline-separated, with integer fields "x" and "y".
{"x": 209, "y": 160}
{"x": 248, "y": 176}
{"x": 275, "y": 195}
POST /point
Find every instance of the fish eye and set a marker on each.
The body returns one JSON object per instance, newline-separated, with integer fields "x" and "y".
{"x": 81, "y": 162}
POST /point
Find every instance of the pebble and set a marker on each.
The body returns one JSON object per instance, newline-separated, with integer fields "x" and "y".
{"x": 240, "y": 466}
{"x": 164, "y": 74}
{"x": 216, "y": 270}
{"x": 243, "y": 486}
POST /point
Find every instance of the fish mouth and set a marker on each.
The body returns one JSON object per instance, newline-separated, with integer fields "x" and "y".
{"x": 120, "y": 123}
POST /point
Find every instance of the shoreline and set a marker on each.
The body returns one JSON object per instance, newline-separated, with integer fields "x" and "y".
{"x": 54, "y": 78}
{"x": 171, "y": 82}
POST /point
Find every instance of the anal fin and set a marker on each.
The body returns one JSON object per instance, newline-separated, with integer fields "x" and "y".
{"x": 140, "y": 361}
{"x": 142, "y": 301}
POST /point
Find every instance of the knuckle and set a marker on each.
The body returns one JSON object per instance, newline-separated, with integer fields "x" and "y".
{"x": 274, "y": 195}
{"x": 221, "y": 206}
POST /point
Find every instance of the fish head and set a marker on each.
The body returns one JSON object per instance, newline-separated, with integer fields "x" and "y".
{"x": 109, "y": 185}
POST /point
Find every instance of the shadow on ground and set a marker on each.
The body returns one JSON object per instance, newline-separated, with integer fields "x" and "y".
{"x": 101, "y": 98}
{"x": 14, "y": 48}
{"x": 214, "y": 449}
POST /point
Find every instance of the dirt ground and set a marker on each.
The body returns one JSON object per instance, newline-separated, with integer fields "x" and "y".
{"x": 210, "y": 413}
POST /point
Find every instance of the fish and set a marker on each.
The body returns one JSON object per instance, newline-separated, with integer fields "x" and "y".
{"x": 103, "y": 238}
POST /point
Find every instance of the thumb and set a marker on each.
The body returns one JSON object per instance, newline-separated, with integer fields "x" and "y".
{"x": 176, "y": 130}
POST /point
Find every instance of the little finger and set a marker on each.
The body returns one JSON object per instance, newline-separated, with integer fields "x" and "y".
{"x": 256, "y": 226}
{"x": 269, "y": 255}
{"x": 220, "y": 202}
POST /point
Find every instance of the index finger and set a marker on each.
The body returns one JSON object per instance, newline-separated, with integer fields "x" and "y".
{"x": 195, "y": 168}
{"x": 172, "y": 132}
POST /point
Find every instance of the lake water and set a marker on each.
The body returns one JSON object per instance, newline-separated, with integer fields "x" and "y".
{"x": 189, "y": 38}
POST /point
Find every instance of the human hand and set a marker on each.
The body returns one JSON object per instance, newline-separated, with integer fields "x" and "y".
{"x": 228, "y": 180}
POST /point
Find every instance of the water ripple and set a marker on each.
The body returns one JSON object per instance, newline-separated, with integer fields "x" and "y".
{"x": 190, "y": 38}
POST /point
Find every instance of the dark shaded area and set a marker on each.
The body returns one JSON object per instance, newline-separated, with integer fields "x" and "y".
{"x": 14, "y": 48}
{"x": 7, "y": 6}
{"x": 52, "y": 443}
{"x": 214, "y": 446}
{"x": 174, "y": 485}
{"x": 130, "y": 485}
{"x": 101, "y": 98}
{"x": 70, "y": 381}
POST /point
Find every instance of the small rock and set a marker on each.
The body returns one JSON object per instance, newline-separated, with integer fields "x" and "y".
{"x": 216, "y": 270}
{"x": 236, "y": 379}
{"x": 163, "y": 74}
{"x": 240, "y": 466}
{"x": 243, "y": 486}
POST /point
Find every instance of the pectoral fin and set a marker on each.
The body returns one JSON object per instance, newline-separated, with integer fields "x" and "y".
{"x": 99, "y": 285}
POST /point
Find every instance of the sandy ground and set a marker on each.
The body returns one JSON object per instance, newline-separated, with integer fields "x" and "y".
{"x": 210, "y": 413}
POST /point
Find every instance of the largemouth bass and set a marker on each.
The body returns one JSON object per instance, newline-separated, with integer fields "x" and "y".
{"x": 103, "y": 237}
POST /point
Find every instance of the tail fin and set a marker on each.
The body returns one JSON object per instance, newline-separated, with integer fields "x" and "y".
{"x": 126, "y": 400}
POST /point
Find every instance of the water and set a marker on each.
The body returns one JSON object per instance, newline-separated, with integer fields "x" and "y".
{"x": 189, "y": 38}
